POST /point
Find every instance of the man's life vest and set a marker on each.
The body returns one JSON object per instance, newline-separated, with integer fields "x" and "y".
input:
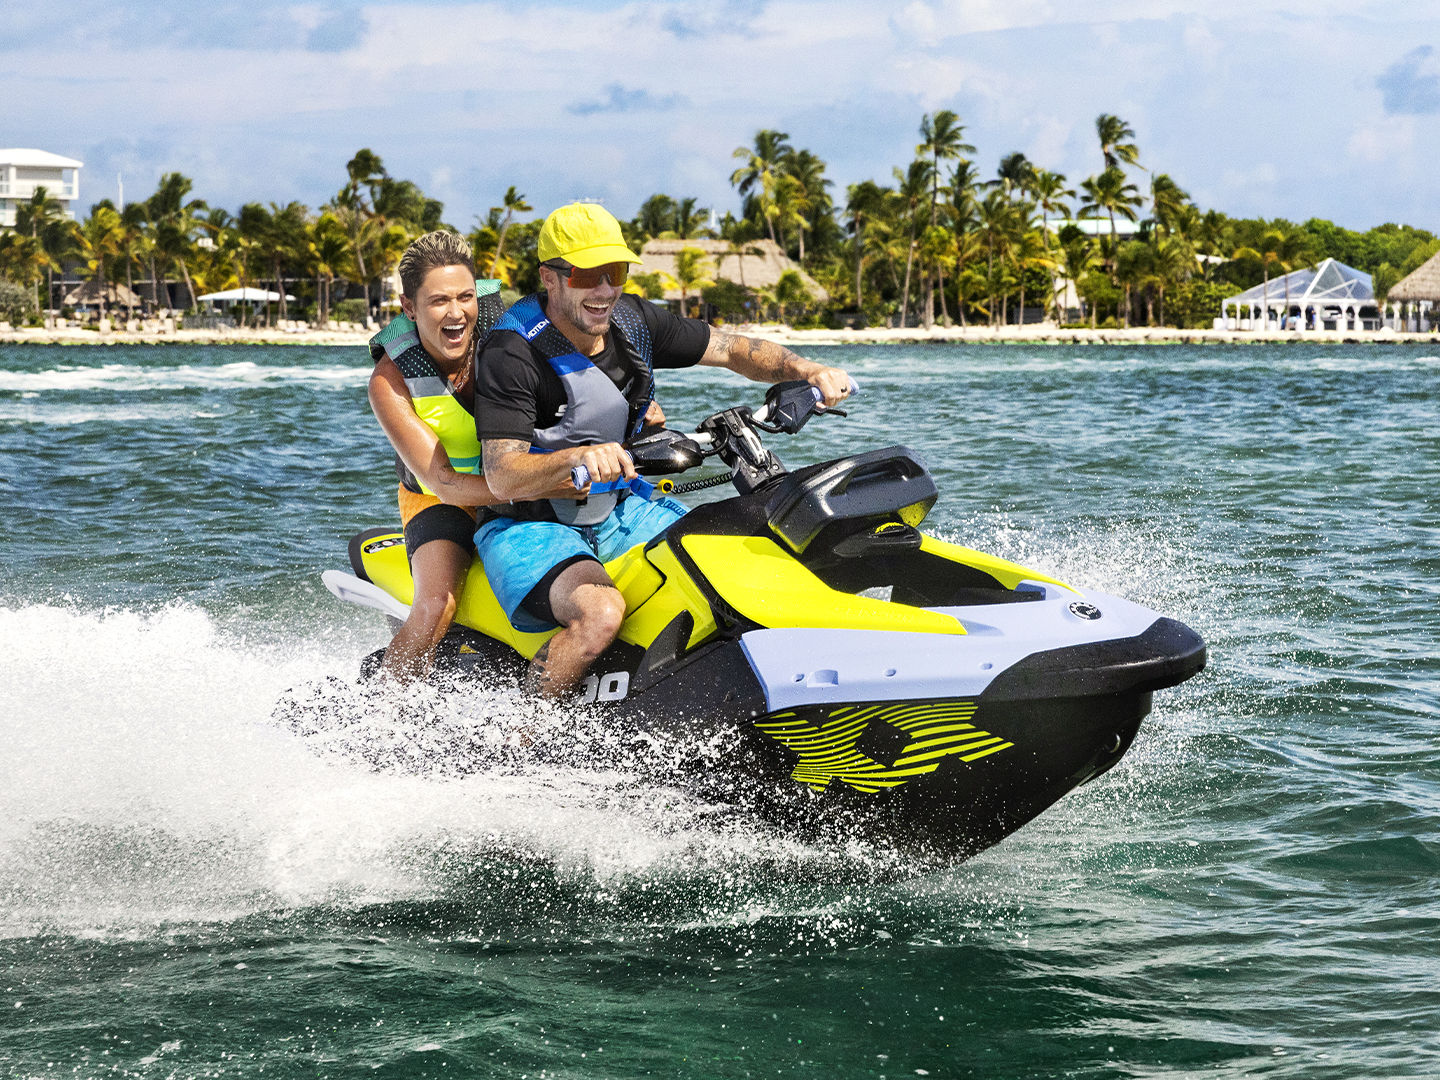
{"x": 431, "y": 395}
{"x": 596, "y": 411}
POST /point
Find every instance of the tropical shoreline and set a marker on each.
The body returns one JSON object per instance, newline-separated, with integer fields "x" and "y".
{"x": 1031, "y": 334}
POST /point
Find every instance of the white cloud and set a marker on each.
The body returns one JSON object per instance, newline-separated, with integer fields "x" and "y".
{"x": 1248, "y": 102}
{"x": 1383, "y": 139}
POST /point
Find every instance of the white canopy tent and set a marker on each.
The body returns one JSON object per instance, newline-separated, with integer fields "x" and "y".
{"x": 1329, "y": 296}
{"x": 242, "y": 296}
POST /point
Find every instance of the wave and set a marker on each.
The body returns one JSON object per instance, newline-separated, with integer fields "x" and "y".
{"x": 146, "y": 783}
{"x": 151, "y": 377}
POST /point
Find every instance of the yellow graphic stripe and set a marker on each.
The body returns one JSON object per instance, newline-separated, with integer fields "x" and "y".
{"x": 827, "y": 748}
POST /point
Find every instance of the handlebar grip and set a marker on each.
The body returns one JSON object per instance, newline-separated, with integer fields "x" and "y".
{"x": 580, "y": 477}
{"x": 819, "y": 397}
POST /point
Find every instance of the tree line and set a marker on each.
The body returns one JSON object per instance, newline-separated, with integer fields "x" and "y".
{"x": 936, "y": 242}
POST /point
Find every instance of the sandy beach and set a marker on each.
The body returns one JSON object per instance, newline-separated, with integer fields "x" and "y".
{"x": 1035, "y": 333}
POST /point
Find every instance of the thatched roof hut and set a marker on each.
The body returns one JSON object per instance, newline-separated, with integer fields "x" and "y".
{"x": 1421, "y": 284}
{"x": 759, "y": 267}
{"x": 87, "y": 294}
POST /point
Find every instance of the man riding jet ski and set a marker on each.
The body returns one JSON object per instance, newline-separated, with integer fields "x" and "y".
{"x": 562, "y": 381}
{"x": 857, "y": 673}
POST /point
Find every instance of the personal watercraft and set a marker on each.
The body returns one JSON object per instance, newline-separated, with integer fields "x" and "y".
{"x": 855, "y": 671}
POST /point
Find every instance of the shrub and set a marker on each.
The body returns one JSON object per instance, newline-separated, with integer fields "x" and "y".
{"x": 1195, "y": 303}
{"x": 17, "y": 303}
{"x": 730, "y": 301}
{"x": 355, "y": 310}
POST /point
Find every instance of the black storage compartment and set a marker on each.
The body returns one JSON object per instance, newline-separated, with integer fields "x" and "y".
{"x": 850, "y": 495}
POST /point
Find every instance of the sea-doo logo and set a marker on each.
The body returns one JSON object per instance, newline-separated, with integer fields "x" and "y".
{"x": 381, "y": 544}
{"x": 1084, "y": 610}
{"x": 612, "y": 687}
{"x": 534, "y": 331}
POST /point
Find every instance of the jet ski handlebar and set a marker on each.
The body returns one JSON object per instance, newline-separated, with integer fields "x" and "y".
{"x": 731, "y": 434}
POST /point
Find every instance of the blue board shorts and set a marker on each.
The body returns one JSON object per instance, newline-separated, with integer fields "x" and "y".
{"x": 517, "y": 555}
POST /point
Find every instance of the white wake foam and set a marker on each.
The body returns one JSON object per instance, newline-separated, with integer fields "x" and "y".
{"x": 144, "y": 782}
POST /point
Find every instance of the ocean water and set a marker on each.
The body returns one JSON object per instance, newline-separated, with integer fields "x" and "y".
{"x": 188, "y": 890}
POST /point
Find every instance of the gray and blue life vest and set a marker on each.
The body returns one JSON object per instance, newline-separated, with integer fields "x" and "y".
{"x": 596, "y": 411}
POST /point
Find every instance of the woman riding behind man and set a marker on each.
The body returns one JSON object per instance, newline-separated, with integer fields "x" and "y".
{"x": 422, "y": 392}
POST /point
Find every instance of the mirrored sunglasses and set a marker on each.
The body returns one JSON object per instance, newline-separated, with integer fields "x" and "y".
{"x": 582, "y": 277}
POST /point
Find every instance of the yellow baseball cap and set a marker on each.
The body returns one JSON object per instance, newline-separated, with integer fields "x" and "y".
{"x": 584, "y": 235}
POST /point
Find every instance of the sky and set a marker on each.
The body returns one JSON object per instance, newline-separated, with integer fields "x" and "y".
{"x": 1272, "y": 108}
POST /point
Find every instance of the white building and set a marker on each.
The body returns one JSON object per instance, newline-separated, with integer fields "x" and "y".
{"x": 22, "y": 171}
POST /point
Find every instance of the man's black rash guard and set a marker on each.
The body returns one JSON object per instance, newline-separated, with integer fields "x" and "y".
{"x": 516, "y": 391}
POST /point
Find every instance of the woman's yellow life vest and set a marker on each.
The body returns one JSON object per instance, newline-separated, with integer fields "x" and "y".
{"x": 431, "y": 394}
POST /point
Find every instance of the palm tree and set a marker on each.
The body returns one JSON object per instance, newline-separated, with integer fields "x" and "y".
{"x": 42, "y": 216}
{"x": 512, "y": 202}
{"x": 100, "y": 239}
{"x": 787, "y": 210}
{"x": 1014, "y": 175}
{"x": 1050, "y": 194}
{"x": 1175, "y": 262}
{"x": 1112, "y": 132}
{"x": 1268, "y": 252}
{"x": 401, "y": 202}
{"x": 1000, "y": 226}
{"x": 912, "y": 186}
{"x": 810, "y": 197}
{"x": 942, "y": 136}
{"x": 652, "y": 286}
{"x": 1028, "y": 251}
{"x": 1167, "y": 202}
{"x": 688, "y": 217}
{"x": 366, "y": 170}
{"x": 756, "y": 178}
{"x": 330, "y": 248}
{"x": 217, "y": 252}
{"x": 963, "y": 213}
{"x": 692, "y": 273}
{"x": 969, "y": 282}
{"x": 289, "y": 243}
{"x": 256, "y": 226}
{"x": 790, "y": 289}
{"x": 656, "y": 217}
{"x": 134, "y": 248}
{"x": 1134, "y": 269}
{"x": 22, "y": 261}
{"x": 864, "y": 202}
{"x": 1111, "y": 193}
{"x": 174, "y": 223}
{"x": 1076, "y": 258}
{"x": 739, "y": 234}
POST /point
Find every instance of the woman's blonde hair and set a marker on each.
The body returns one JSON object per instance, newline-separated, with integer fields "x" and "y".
{"x": 431, "y": 251}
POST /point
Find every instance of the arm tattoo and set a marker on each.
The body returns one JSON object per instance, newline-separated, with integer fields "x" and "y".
{"x": 495, "y": 450}
{"x": 718, "y": 348}
{"x": 752, "y": 356}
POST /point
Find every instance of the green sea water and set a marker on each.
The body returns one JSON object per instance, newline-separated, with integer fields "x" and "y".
{"x": 189, "y": 890}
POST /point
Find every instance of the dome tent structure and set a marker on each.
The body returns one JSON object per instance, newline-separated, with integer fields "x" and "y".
{"x": 1329, "y": 296}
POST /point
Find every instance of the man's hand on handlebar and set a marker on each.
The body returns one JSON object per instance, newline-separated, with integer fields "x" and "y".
{"x": 833, "y": 383}
{"x": 605, "y": 462}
